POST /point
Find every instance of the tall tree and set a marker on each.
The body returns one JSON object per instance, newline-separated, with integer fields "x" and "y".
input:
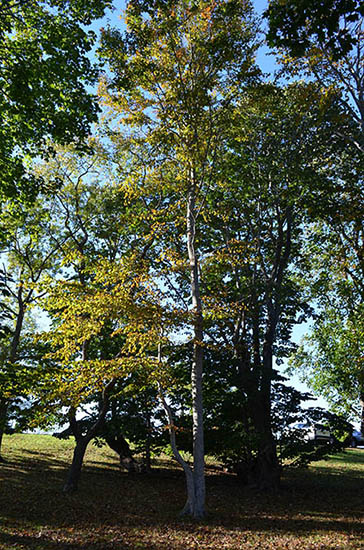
{"x": 272, "y": 177}
{"x": 325, "y": 42}
{"x": 174, "y": 76}
{"x": 92, "y": 227}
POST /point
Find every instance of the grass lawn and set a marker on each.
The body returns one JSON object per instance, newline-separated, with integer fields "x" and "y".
{"x": 320, "y": 508}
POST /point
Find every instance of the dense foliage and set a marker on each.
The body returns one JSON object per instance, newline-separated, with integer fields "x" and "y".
{"x": 44, "y": 76}
{"x": 150, "y": 291}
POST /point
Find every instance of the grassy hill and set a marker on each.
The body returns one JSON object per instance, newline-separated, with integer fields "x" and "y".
{"x": 320, "y": 508}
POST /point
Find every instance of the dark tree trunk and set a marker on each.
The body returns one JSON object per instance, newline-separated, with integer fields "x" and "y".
{"x": 268, "y": 471}
{"x": 74, "y": 472}
{"x": 147, "y": 457}
{"x": 13, "y": 352}
{"x": 3, "y": 414}
{"x": 267, "y": 464}
{"x": 120, "y": 446}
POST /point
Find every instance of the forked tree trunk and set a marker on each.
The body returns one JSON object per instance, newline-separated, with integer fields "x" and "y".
{"x": 74, "y": 472}
{"x": 261, "y": 470}
{"x": 268, "y": 467}
{"x": 192, "y": 505}
{"x": 267, "y": 464}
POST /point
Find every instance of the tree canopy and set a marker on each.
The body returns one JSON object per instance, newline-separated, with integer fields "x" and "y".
{"x": 45, "y": 73}
{"x": 294, "y": 23}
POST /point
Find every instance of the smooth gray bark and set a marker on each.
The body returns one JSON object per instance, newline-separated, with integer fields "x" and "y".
{"x": 197, "y": 510}
{"x": 189, "y": 507}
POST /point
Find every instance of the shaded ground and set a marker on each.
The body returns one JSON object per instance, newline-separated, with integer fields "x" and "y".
{"x": 318, "y": 509}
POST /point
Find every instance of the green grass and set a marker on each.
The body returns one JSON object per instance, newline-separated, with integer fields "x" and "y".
{"x": 320, "y": 508}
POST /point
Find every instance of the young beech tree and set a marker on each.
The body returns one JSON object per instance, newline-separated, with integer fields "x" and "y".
{"x": 91, "y": 220}
{"x": 117, "y": 294}
{"x": 39, "y": 237}
{"x": 174, "y": 77}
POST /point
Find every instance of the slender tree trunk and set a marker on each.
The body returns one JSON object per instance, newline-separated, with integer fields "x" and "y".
{"x": 4, "y": 403}
{"x": 362, "y": 413}
{"x": 13, "y": 353}
{"x": 198, "y": 509}
{"x": 195, "y": 478}
{"x": 189, "y": 507}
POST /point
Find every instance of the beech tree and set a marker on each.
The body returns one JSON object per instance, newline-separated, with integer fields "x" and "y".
{"x": 174, "y": 75}
{"x": 271, "y": 178}
{"x": 120, "y": 296}
{"x": 92, "y": 226}
{"x": 325, "y": 43}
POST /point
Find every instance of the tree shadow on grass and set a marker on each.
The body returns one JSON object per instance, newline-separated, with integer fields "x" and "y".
{"x": 109, "y": 499}
{"x": 28, "y": 541}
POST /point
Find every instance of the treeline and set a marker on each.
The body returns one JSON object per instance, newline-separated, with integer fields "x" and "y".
{"x": 159, "y": 265}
